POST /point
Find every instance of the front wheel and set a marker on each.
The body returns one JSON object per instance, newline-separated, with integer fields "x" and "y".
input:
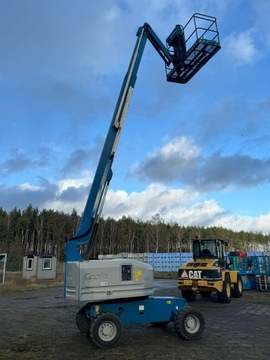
{"x": 189, "y": 324}
{"x": 82, "y": 321}
{"x": 106, "y": 330}
{"x": 237, "y": 290}
{"x": 225, "y": 295}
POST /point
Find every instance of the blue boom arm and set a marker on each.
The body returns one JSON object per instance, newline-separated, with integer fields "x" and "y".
{"x": 103, "y": 175}
{"x": 174, "y": 63}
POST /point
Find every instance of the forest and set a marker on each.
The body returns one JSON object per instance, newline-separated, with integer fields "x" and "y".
{"x": 34, "y": 231}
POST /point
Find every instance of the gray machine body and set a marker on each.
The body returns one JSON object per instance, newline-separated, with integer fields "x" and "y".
{"x": 99, "y": 280}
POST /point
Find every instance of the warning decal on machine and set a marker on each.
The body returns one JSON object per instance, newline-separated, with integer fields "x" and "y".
{"x": 184, "y": 274}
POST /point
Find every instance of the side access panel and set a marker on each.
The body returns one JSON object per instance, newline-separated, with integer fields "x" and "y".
{"x": 99, "y": 280}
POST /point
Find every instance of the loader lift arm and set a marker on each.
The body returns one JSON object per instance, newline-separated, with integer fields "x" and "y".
{"x": 181, "y": 65}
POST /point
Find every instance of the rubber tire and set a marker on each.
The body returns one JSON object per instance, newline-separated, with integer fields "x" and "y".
{"x": 226, "y": 294}
{"x": 237, "y": 291}
{"x": 188, "y": 295}
{"x": 106, "y": 330}
{"x": 82, "y": 321}
{"x": 189, "y": 324}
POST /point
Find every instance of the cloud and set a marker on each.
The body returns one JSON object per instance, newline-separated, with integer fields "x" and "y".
{"x": 240, "y": 48}
{"x": 156, "y": 198}
{"x": 171, "y": 162}
{"x": 184, "y": 207}
{"x": 174, "y": 205}
{"x": 258, "y": 224}
{"x": 79, "y": 160}
{"x": 15, "y": 164}
{"x": 63, "y": 196}
{"x": 20, "y": 196}
{"x": 20, "y": 161}
{"x": 181, "y": 161}
{"x": 219, "y": 172}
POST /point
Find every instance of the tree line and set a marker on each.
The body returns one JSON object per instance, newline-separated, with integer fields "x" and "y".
{"x": 34, "y": 231}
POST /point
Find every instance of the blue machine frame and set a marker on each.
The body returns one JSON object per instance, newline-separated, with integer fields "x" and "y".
{"x": 152, "y": 309}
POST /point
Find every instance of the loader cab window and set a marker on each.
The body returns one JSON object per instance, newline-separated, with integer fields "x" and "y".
{"x": 196, "y": 249}
{"x": 206, "y": 252}
{"x": 208, "y": 248}
{"x": 204, "y": 249}
{"x": 220, "y": 248}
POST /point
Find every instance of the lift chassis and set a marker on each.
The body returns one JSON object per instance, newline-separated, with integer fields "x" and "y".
{"x": 103, "y": 321}
{"x": 120, "y": 291}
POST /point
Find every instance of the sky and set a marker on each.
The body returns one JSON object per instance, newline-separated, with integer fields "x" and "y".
{"x": 196, "y": 154}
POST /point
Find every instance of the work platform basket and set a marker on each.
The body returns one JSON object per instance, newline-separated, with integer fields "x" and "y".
{"x": 191, "y": 52}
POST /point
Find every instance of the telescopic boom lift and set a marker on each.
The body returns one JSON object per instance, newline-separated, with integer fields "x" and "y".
{"x": 121, "y": 291}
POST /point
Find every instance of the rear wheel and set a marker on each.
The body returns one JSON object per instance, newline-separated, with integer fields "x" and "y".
{"x": 237, "y": 290}
{"x": 189, "y": 324}
{"x": 106, "y": 330}
{"x": 188, "y": 295}
{"x": 225, "y": 295}
{"x": 82, "y": 321}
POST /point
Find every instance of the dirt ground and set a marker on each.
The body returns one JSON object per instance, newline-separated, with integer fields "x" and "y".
{"x": 41, "y": 325}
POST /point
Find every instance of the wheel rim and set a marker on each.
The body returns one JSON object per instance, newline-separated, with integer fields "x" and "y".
{"x": 228, "y": 289}
{"x": 240, "y": 287}
{"x": 192, "y": 324}
{"x": 107, "y": 331}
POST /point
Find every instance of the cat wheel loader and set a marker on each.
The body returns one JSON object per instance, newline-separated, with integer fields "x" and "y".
{"x": 209, "y": 272}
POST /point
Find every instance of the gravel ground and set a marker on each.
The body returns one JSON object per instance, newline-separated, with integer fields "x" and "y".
{"x": 41, "y": 325}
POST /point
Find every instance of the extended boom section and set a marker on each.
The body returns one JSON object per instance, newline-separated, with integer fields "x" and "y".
{"x": 93, "y": 208}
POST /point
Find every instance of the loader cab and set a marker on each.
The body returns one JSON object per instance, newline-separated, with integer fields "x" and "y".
{"x": 209, "y": 249}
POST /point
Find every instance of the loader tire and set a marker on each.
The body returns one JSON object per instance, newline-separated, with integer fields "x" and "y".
{"x": 237, "y": 290}
{"x": 225, "y": 295}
